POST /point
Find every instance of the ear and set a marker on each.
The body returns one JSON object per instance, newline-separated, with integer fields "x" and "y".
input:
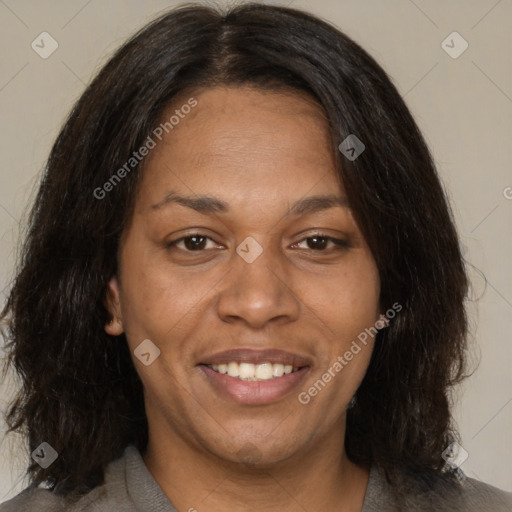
{"x": 115, "y": 326}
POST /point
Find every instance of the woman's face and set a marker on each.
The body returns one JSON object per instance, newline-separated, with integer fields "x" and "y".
{"x": 243, "y": 253}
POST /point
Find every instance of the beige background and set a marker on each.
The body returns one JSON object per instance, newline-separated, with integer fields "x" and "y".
{"x": 463, "y": 106}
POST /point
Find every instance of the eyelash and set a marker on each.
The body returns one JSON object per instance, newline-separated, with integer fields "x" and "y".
{"x": 341, "y": 244}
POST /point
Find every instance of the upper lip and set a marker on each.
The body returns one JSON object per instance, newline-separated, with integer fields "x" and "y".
{"x": 249, "y": 355}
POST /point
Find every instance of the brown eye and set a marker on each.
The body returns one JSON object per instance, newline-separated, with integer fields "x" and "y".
{"x": 317, "y": 242}
{"x": 196, "y": 242}
{"x": 321, "y": 243}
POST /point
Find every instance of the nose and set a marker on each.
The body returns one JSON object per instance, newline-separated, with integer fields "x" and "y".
{"x": 258, "y": 293}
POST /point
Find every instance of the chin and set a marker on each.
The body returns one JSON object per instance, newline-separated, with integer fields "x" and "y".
{"x": 255, "y": 454}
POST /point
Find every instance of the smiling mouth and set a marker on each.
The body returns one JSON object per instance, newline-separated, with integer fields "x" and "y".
{"x": 253, "y": 372}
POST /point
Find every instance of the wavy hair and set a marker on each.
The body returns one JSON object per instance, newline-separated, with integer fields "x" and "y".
{"x": 80, "y": 391}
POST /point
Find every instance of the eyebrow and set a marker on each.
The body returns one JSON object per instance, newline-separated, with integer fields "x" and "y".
{"x": 208, "y": 205}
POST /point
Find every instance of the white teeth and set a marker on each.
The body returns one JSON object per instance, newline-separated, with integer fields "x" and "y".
{"x": 233, "y": 370}
{"x": 246, "y": 370}
{"x": 278, "y": 370}
{"x": 264, "y": 371}
{"x": 253, "y": 372}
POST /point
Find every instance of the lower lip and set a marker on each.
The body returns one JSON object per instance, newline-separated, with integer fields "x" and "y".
{"x": 254, "y": 392}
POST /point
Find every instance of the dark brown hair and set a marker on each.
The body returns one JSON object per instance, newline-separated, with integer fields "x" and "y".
{"x": 80, "y": 391}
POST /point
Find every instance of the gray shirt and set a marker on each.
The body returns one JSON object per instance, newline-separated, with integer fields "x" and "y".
{"x": 130, "y": 487}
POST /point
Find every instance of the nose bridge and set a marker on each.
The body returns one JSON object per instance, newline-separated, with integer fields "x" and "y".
{"x": 256, "y": 289}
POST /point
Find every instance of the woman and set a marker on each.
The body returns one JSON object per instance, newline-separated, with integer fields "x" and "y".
{"x": 242, "y": 288}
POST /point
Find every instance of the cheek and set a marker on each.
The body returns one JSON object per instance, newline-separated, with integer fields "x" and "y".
{"x": 347, "y": 301}
{"x": 161, "y": 305}
{"x": 150, "y": 310}
{"x": 148, "y": 300}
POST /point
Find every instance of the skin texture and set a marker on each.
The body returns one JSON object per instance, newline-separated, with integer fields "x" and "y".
{"x": 258, "y": 151}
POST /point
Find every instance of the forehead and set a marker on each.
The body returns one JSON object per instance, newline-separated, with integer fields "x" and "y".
{"x": 243, "y": 139}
